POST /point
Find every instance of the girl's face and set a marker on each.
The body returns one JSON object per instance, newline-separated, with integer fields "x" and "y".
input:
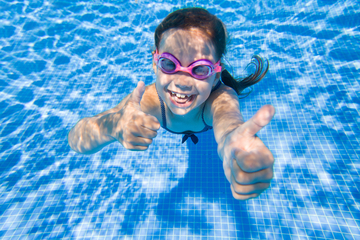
{"x": 187, "y": 46}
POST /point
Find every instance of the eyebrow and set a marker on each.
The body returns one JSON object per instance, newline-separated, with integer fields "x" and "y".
{"x": 175, "y": 58}
{"x": 190, "y": 62}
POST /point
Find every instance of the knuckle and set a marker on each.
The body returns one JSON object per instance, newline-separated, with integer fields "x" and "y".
{"x": 271, "y": 174}
{"x": 148, "y": 141}
{"x": 247, "y": 168}
{"x": 249, "y": 163}
{"x": 272, "y": 160}
{"x": 241, "y": 178}
{"x": 245, "y": 197}
{"x": 270, "y": 157}
{"x": 240, "y": 189}
{"x": 237, "y": 190}
{"x": 238, "y": 196}
{"x": 226, "y": 166}
{"x": 234, "y": 162}
{"x": 142, "y": 148}
{"x": 242, "y": 195}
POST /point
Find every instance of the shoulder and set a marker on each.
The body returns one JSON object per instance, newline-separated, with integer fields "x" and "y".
{"x": 222, "y": 97}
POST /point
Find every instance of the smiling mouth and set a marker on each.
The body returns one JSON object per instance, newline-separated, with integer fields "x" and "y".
{"x": 179, "y": 95}
{"x": 181, "y": 99}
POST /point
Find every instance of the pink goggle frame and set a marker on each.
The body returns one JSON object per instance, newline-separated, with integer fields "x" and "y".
{"x": 199, "y": 69}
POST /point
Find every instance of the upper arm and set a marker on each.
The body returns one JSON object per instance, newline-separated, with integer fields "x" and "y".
{"x": 223, "y": 111}
{"x": 224, "y": 100}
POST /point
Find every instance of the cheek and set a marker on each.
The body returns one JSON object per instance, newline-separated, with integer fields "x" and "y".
{"x": 161, "y": 78}
{"x": 205, "y": 90}
{"x": 162, "y": 82}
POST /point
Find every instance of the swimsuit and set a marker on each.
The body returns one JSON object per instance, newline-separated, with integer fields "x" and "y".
{"x": 187, "y": 133}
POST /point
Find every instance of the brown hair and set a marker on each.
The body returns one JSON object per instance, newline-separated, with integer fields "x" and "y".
{"x": 215, "y": 29}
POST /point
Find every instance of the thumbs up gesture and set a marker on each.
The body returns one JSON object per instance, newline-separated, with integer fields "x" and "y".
{"x": 135, "y": 129}
{"x": 247, "y": 162}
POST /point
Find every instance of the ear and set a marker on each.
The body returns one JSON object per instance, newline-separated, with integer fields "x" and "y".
{"x": 153, "y": 63}
{"x": 218, "y": 75}
{"x": 154, "y": 66}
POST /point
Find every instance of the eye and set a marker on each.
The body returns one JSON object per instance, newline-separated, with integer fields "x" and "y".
{"x": 167, "y": 64}
{"x": 201, "y": 70}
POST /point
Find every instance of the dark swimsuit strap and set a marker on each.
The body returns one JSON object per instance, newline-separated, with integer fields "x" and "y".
{"x": 187, "y": 133}
{"x": 164, "y": 117}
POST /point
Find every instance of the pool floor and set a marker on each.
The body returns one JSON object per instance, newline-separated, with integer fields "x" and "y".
{"x": 62, "y": 61}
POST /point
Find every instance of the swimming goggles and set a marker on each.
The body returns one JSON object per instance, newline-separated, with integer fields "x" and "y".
{"x": 199, "y": 69}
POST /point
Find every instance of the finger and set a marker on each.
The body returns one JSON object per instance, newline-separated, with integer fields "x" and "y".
{"x": 242, "y": 196}
{"x": 254, "y": 161}
{"x": 145, "y": 133}
{"x": 245, "y": 178}
{"x": 138, "y": 139}
{"x": 256, "y": 188}
{"x": 150, "y": 122}
{"x": 131, "y": 147}
{"x": 261, "y": 118}
{"x": 137, "y": 143}
{"x": 138, "y": 92}
{"x": 144, "y": 126}
{"x": 227, "y": 170}
{"x": 140, "y": 142}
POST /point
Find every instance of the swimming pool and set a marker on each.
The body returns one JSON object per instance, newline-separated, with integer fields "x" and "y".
{"x": 61, "y": 61}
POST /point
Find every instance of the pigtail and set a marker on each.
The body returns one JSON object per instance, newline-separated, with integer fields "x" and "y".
{"x": 242, "y": 83}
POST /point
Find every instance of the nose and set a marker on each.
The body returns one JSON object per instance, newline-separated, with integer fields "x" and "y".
{"x": 183, "y": 81}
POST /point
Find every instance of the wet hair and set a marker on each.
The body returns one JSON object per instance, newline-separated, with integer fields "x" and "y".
{"x": 215, "y": 29}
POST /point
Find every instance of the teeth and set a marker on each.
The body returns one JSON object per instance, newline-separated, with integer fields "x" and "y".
{"x": 180, "y": 95}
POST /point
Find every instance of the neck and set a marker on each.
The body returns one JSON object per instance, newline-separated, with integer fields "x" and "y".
{"x": 193, "y": 114}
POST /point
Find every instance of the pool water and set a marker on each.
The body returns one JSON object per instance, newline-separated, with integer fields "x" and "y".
{"x": 61, "y": 61}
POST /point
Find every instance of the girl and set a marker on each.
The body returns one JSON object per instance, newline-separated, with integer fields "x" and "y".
{"x": 188, "y": 97}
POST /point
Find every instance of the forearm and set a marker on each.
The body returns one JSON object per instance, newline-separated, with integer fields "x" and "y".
{"x": 223, "y": 124}
{"x": 90, "y": 135}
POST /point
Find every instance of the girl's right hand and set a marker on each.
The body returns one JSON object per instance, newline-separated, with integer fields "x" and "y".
{"x": 135, "y": 129}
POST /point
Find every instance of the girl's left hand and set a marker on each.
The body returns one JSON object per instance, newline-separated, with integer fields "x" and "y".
{"x": 247, "y": 162}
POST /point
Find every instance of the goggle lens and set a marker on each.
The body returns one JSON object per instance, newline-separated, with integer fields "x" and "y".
{"x": 167, "y": 65}
{"x": 201, "y": 71}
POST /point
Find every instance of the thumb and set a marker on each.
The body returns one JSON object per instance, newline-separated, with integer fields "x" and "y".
{"x": 261, "y": 118}
{"x": 138, "y": 93}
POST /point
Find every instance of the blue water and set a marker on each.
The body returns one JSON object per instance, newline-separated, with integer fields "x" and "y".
{"x": 61, "y": 61}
